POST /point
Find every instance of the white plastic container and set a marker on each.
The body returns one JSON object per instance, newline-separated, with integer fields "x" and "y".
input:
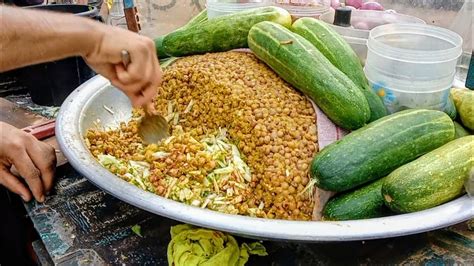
{"x": 357, "y": 37}
{"x": 412, "y": 65}
{"x": 362, "y": 21}
{"x": 216, "y": 8}
{"x": 304, "y": 8}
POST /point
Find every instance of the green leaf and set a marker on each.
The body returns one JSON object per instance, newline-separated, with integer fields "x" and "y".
{"x": 137, "y": 230}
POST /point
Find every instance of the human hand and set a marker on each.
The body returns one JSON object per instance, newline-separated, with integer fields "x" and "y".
{"x": 34, "y": 160}
{"x": 141, "y": 78}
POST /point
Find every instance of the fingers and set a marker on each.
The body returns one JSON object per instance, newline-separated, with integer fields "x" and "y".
{"x": 139, "y": 96}
{"x": 142, "y": 77}
{"x": 150, "y": 108}
{"x": 33, "y": 160}
{"x": 146, "y": 96}
{"x": 142, "y": 62}
{"x": 30, "y": 173}
{"x": 44, "y": 158}
{"x": 107, "y": 70}
{"x": 12, "y": 183}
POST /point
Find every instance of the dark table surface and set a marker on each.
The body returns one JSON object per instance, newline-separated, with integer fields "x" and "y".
{"x": 80, "y": 223}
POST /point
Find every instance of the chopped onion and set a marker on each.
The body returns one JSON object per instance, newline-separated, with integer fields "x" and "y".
{"x": 335, "y": 4}
{"x": 361, "y": 25}
{"x": 372, "y": 6}
{"x": 354, "y": 3}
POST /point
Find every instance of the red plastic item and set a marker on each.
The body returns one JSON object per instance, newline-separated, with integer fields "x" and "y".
{"x": 43, "y": 130}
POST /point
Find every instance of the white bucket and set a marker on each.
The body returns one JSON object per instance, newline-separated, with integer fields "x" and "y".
{"x": 412, "y": 65}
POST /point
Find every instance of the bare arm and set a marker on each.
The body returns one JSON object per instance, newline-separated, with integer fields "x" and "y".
{"x": 29, "y": 37}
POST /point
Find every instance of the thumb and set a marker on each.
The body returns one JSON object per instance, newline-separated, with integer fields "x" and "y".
{"x": 122, "y": 75}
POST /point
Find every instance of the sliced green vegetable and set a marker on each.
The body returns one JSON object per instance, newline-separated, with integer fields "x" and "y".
{"x": 136, "y": 173}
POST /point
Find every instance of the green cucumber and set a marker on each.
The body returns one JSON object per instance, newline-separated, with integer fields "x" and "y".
{"x": 159, "y": 47}
{"x": 450, "y": 108}
{"x": 363, "y": 203}
{"x": 433, "y": 179}
{"x": 299, "y": 63}
{"x": 377, "y": 149}
{"x": 460, "y": 131}
{"x": 341, "y": 55}
{"x": 464, "y": 101}
{"x": 199, "y": 18}
{"x": 223, "y": 33}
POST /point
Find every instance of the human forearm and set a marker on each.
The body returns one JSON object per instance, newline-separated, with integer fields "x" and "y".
{"x": 29, "y": 37}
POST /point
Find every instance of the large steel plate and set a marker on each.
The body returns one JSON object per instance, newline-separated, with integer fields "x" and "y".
{"x": 85, "y": 107}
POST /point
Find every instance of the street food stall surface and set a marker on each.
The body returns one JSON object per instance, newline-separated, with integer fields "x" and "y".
{"x": 83, "y": 223}
{"x": 79, "y": 223}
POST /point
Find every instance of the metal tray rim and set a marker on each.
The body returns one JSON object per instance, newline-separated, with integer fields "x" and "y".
{"x": 69, "y": 137}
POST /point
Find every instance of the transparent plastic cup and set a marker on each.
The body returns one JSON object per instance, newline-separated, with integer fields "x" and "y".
{"x": 304, "y": 8}
{"x": 412, "y": 65}
{"x": 217, "y": 8}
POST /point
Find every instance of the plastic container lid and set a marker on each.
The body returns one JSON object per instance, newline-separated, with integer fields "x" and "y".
{"x": 305, "y": 8}
{"x": 216, "y": 8}
{"x": 236, "y": 4}
{"x": 415, "y": 43}
{"x": 343, "y": 17}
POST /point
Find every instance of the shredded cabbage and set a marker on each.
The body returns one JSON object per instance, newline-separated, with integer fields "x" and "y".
{"x": 220, "y": 189}
{"x": 136, "y": 173}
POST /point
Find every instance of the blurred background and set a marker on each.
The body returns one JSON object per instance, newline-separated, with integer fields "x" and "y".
{"x": 158, "y": 17}
{"x": 161, "y": 16}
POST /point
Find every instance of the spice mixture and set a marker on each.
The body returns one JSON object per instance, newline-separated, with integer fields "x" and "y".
{"x": 242, "y": 140}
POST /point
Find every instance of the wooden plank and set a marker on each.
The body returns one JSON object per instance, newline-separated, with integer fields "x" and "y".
{"x": 18, "y": 117}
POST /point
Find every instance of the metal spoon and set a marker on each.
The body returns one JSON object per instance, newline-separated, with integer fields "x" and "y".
{"x": 153, "y": 127}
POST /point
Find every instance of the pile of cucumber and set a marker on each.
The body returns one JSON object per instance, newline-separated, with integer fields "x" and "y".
{"x": 404, "y": 162}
